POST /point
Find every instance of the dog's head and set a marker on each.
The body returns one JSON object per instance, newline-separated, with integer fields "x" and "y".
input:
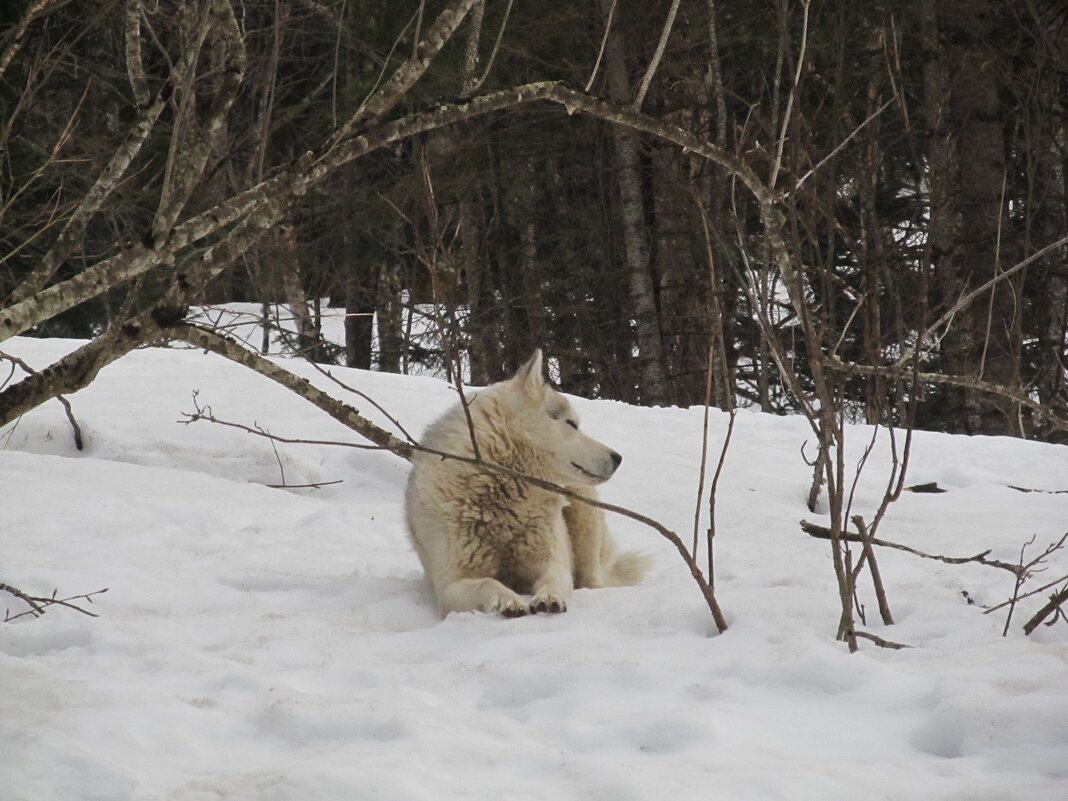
{"x": 553, "y": 426}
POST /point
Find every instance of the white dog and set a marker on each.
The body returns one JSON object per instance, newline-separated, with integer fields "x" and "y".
{"x": 486, "y": 538}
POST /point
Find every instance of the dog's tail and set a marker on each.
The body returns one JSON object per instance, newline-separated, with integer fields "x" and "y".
{"x": 627, "y": 568}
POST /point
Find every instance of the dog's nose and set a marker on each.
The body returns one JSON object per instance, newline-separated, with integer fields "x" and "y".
{"x": 616, "y": 458}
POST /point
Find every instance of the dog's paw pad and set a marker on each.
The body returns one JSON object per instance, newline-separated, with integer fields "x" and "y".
{"x": 509, "y": 607}
{"x": 553, "y": 606}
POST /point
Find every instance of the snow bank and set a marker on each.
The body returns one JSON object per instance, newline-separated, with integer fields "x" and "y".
{"x": 273, "y": 644}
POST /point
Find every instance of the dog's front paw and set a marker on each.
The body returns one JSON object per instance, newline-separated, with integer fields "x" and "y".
{"x": 547, "y": 602}
{"x": 508, "y": 606}
{"x": 512, "y": 609}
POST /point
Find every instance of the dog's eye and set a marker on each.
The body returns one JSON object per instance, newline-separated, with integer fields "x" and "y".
{"x": 572, "y": 423}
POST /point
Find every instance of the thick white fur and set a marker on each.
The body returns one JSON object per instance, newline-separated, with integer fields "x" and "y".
{"x": 486, "y": 539}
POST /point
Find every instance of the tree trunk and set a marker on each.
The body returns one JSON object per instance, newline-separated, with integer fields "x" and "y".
{"x": 873, "y": 262}
{"x": 1046, "y": 141}
{"x": 530, "y": 273}
{"x": 967, "y": 175}
{"x": 483, "y": 336}
{"x": 635, "y": 235}
{"x": 390, "y": 319}
{"x": 308, "y": 341}
{"x": 1052, "y": 295}
{"x": 360, "y": 282}
{"x": 481, "y": 342}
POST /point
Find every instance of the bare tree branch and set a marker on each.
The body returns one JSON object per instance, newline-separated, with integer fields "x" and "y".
{"x": 824, "y": 533}
{"x": 39, "y": 604}
{"x": 79, "y": 441}
{"x": 968, "y": 297}
{"x": 383, "y": 101}
{"x": 894, "y": 646}
{"x": 1021, "y": 576}
{"x": 1012, "y": 393}
{"x": 496, "y": 48}
{"x": 1036, "y": 591}
{"x": 604, "y": 41}
{"x": 1056, "y": 602}
{"x": 18, "y": 37}
{"x": 790, "y": 98}
{"x": 71, "y": 235}
{"x": 135, "y": 69}
{"x": 658, "y": 54}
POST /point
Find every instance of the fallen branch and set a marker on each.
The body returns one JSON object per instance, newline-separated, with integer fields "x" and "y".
{"x": 1056, "y": 601}
{"x": 824, "y": 533}
{"x": 894, "y": 646}
{"x": 868, "y": 554}
{"x": 312, "y": 485}
{"x": 39, "y": 604}
{"x": 79, "y": 442}
{"x": 930, "y": 487}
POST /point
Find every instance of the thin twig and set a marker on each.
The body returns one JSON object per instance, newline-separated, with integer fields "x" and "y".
{"x": 968, "y": 297}
{"x": 711, "y": 535}
{"x": 277, "y": 457}
{"x": 38, "y": 605}
{"x": 496, "y": 47}
{"x": 359, "y": 394}
{"x": 1028, "y": 594}
{"x": 206, "y": 415}
{"x": 658, "y": 54}
{"x": 716, "y": 339}
{"x": 842, "y": 144}
{"x": 704, "y": 444}
{"x": 790, "y": 99}
{"x": 1021, "y": 576}
{"x": 604, "y": 41}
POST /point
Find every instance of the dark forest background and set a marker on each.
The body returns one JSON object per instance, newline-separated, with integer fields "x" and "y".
{"x": 916, "y": 150}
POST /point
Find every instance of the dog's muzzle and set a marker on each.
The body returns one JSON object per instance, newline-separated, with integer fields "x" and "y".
{"x": 606, "y": 468}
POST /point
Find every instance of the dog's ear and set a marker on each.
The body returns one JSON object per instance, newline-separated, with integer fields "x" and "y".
{"x": 529, "y": 380}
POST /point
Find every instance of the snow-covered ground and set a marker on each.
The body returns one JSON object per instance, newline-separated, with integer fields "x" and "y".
{"x": 272, "y": 644}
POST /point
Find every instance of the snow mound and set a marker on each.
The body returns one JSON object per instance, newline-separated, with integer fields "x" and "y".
{"x": 280, "y": 644}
